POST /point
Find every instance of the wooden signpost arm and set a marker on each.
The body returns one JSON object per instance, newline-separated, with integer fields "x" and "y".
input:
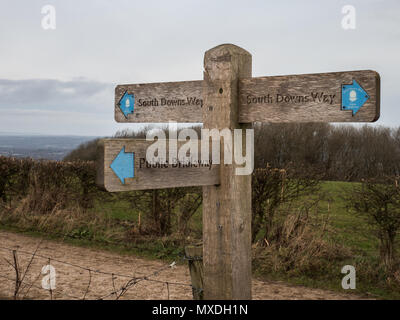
{"x": 226, "y": 207}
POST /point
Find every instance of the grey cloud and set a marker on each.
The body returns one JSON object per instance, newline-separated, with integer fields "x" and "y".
{"x": 49, "y": 91}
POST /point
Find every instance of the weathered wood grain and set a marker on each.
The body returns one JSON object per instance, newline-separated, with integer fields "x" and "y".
{"x": 301, "y": 85}
{"x": 194, "y": 256}
{"x": 149, "y": 178}
{"x": 183, "y": 102}
{"x": 186, "y": 99}
{"x": 227, "y": 207}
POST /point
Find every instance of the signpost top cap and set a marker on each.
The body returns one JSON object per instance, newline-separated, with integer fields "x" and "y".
{"x": 227, "y": 61}
{"x": 224, "y": 50}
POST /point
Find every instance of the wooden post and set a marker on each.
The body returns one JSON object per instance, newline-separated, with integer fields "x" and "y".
{"x": 194, "y": 256}
{"x": 17, "y": 275}
{"x": 226, "y": 207}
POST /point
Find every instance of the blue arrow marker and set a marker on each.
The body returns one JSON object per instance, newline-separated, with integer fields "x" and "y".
{"x": 127, "y": 103}
{"x": 124, "y": 165}
{"x": 353, "y": 97}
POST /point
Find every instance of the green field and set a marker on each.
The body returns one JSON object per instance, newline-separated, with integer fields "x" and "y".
{"x": 351, "y": 229}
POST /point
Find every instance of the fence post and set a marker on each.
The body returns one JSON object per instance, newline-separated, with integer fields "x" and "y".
{"x": 194, "y": 255}
{"x": 17, "y": 274}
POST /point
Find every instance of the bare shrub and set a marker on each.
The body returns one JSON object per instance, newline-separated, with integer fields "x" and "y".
{"x": 270, "y": 188}
{"x": 378, "y": 200}
{"x": 162, "y": 207}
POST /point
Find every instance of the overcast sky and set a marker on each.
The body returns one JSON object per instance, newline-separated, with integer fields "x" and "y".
{"x": 62, "y": 81}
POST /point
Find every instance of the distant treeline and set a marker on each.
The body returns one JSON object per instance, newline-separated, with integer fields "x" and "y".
{"x": 344, "y": 152}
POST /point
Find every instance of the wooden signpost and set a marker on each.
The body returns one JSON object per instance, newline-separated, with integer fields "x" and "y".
{"x": 227, "y": 97}
{"x": 159, "y": 102}
{"x": 126, "y": 168}
{"x": 315, "y": 97}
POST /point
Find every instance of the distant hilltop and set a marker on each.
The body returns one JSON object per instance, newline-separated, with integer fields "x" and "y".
{"x": 39, "y": 146}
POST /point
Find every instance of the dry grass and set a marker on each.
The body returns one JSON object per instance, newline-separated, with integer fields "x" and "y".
{"x": 297, "y": 246}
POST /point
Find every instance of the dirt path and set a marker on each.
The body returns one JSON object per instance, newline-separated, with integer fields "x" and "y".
{"x": 72, "y": 282}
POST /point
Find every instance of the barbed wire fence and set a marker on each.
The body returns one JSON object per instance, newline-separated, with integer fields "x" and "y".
{"x": 22, "y": 286}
